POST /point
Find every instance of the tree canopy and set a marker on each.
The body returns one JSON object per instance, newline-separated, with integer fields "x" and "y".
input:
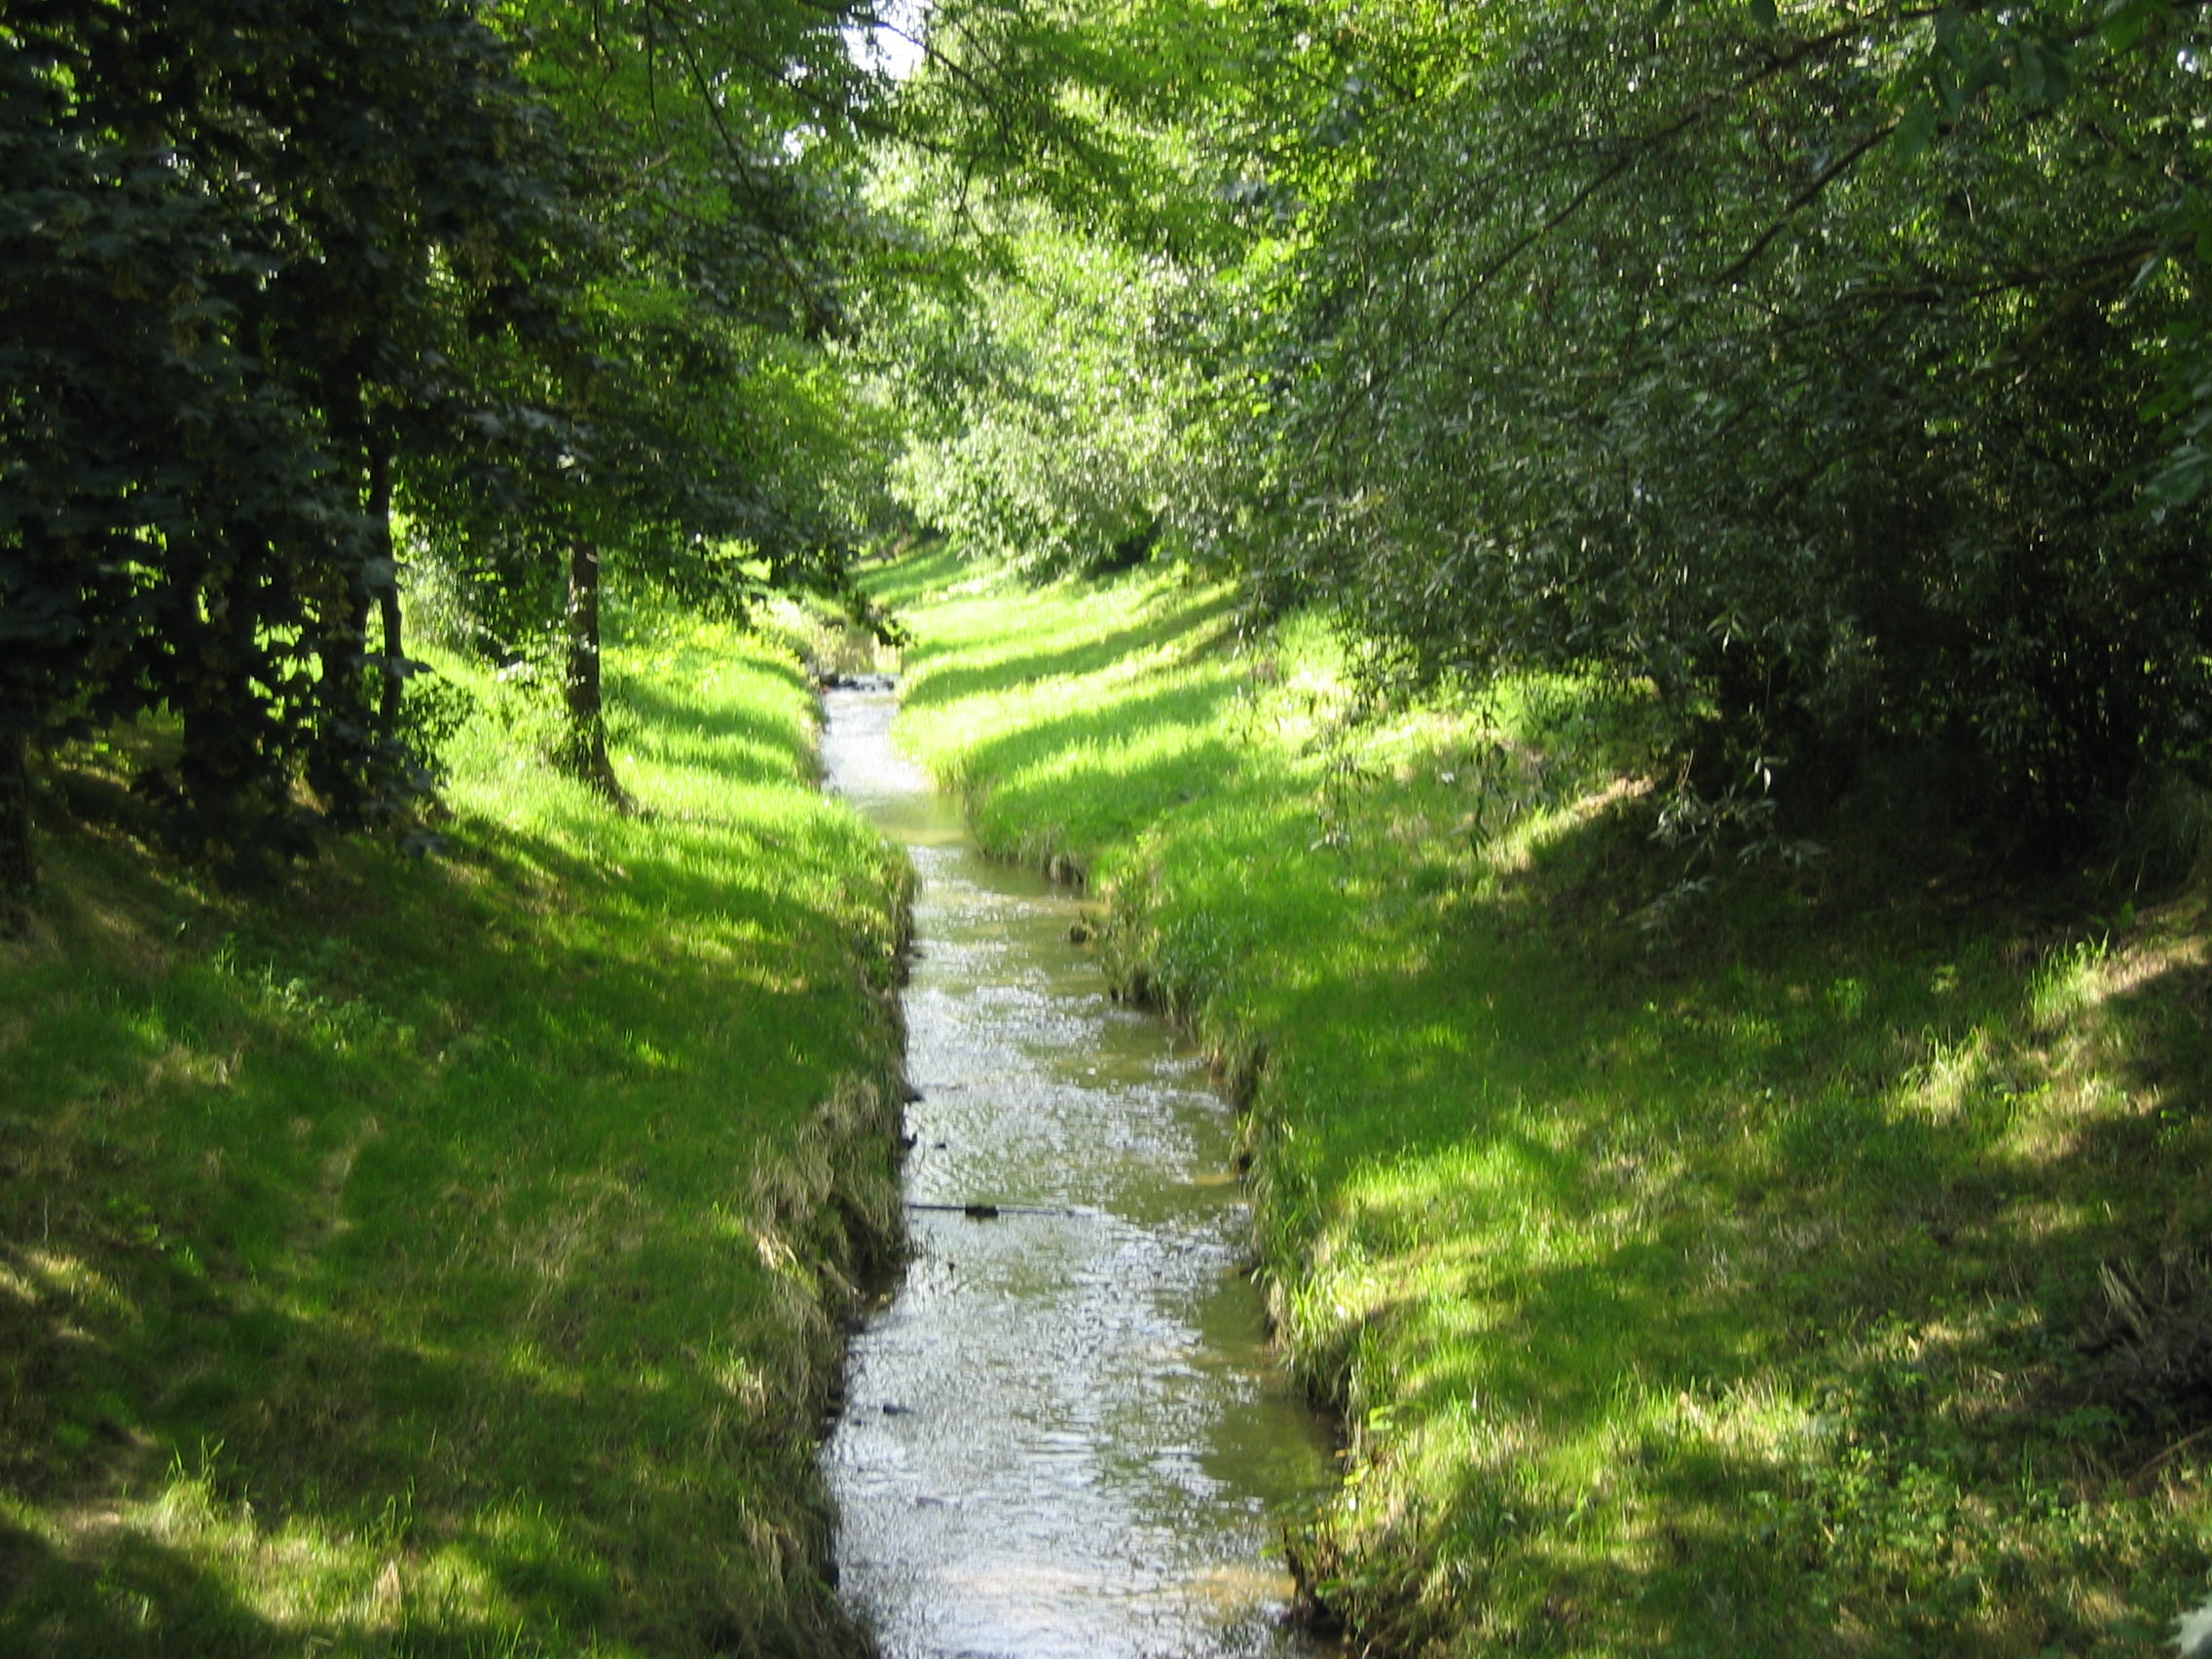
{"x": 230, "y": 239}
{"x": 1839, "y": 371}
{"x": 531, "y": 276}
{"x": 1815, "y": 366}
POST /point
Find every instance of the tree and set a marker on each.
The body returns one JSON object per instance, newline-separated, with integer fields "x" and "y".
{"x": 1049, "y": 361}
{"x": 1047, "y": 403}
{"x": 1797, "y": 364}
{"x": 273, "y": 273}
{"x": 228, "y": 234}
{"x": 671, "y": 427}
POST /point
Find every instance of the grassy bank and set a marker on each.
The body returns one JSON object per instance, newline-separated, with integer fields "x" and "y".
{"x": 443, "y": 1257}
{"x": 1810, "y": 1261}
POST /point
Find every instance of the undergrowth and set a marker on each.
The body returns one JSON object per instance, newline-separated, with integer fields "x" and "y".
{"x": 1795, "y": 1255}
{"x": 444, "y": 1257}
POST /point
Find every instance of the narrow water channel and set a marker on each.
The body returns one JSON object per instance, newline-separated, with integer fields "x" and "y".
{"x": 1064, "y": 1435}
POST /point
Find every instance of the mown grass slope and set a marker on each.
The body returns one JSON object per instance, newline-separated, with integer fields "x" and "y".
{"x": 443, "y": 1257}
{"x": 1809, "y": 1261}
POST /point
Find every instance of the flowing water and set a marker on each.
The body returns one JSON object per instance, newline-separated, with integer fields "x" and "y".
{"x": 1064, "y": 1435}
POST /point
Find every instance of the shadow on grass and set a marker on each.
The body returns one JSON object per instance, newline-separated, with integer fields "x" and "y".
{"x": 907, "y": 580}
{"x": 1123, "y": 731}
{"x": 1828, "y": 1186}
{"x": 400, "y": 1260}
{"x": 149, "y": 1600}
{"x": 1195, "y": 629}
{"x": 736, "y": 742}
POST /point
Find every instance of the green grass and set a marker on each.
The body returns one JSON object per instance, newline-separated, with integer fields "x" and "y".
{"x": 446, "y": 1257}
{"x": 1816, "y": 1268}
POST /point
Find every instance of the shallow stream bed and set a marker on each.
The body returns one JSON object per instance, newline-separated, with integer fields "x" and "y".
{"x": 1065, "y": 1434}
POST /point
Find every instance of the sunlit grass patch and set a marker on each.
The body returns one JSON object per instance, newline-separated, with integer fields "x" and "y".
{"x": 443, "y": 1257}
{"x": 2068, "y": 982}
{"x": 1818, "y": 1267}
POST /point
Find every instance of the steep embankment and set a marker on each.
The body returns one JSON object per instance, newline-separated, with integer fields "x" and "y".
{"x": 441, "y": 1257}
{"x": 1815, "y": 1265}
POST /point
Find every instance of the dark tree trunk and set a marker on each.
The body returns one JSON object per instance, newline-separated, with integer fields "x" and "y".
{"x": 587, "y": 757}
{"x": 339, "y": 760}
{"x": 19, "y": 871}
{"x": 338, "y": 766}
{"x": 395, "y": 684}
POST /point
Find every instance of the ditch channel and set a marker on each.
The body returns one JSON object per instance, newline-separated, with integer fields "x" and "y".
{"x": 1064, "y": 1431}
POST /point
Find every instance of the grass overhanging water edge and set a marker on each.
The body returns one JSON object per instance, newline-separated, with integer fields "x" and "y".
{"x": 443, "y": 1257}
{"x": 1829, "y": 1276}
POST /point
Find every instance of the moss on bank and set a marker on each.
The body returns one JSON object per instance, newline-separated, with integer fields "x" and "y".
{"x": 444, "y": 1257}
{"x": 1817, "y": 1268}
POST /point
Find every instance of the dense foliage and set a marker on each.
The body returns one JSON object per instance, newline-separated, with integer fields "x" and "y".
{"x": 712, "y": 177}
{"x": 1806, "y": 367}
{"x": 546, "y": 281}
{"x": 229, "y": 240}
{"x": 1839, "y": 371}
{"x": 1046, "y": 408}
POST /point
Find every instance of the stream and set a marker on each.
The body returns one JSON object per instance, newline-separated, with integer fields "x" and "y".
{"x": 1065, "y": 1434}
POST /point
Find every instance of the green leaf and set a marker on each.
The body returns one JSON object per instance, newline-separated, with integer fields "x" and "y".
{"x": 1764, "y": 14}
{"x": 2183, "y": 479}
{"x": 1916, "y": 131}
{"x": 2124, "y": 30}
{"x": 2126, "y": 20}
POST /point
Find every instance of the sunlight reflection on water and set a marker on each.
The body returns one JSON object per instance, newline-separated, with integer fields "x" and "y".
{"x": 1065, "y": 1435}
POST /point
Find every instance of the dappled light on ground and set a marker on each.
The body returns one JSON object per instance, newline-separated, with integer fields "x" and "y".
{"x": 1791, "y": 1263}
{"x": 441, "y": 1259}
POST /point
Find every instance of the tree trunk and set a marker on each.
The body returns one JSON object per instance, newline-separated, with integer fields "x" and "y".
{"x": 19, "y": 871}
{"x": 339, "y": 757}
{"x": 395, "y": 684}
{"x": 587, "y": 757}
